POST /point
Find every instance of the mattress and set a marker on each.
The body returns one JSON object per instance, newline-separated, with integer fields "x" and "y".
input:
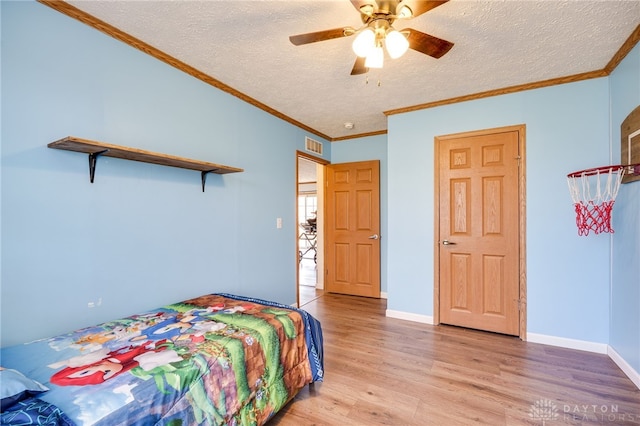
{"x": 217, "y": 359}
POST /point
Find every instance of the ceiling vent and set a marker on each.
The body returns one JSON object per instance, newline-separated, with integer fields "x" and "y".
{"x": 313, "y": 146}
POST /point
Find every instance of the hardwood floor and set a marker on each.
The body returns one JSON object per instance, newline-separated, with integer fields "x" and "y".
{"x": 386, "y": 371}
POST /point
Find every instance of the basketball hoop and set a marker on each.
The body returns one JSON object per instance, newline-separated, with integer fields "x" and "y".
{"x": 593, "y": 192}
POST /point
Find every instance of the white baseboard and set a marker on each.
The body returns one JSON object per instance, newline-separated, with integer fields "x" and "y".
{"x": 601, "y": 348}
{"x": 425, "y": 319}
{"x": 624, "y": 366}
{"x": 581, "y": 345}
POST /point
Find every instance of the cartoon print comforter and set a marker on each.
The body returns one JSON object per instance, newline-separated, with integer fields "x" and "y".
{"x": 217, "y": 359}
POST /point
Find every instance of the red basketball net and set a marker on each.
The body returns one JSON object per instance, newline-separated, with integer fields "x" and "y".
{"x": 593, "y": 192}
{"x": 593, "y": 217}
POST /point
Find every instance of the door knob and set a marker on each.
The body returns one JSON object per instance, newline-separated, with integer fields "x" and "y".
{"x": 448, "y": 243}
{"x": 374, "y": 237}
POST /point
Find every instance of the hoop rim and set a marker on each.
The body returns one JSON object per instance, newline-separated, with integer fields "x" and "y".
{"x": 596, "y": 170}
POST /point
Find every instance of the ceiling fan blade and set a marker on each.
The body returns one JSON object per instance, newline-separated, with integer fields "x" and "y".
{"x": 427, "y": 44}
{"x": 358, "y": 66}
{"x": 418, "y": 7}
{"x": 306, "y": 38}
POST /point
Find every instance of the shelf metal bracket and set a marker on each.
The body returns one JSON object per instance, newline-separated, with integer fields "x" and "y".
{"x": 93, "y": 157}
{"x": 204, "y": 176}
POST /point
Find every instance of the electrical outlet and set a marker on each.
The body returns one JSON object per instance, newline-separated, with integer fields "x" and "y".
{"x": 279, "y": 222}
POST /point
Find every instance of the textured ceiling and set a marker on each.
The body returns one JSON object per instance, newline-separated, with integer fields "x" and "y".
{"x": 498, "y": 44}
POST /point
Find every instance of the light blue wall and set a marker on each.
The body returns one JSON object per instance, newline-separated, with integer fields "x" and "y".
{"x": 142, "y": 235}
{"x": 364, "y": 149}
{"x": 567, "y": 129}
{"x": 625, "y": 287}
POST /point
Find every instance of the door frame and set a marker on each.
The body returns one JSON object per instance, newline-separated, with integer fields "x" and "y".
{"x": 522, "y": 255}
{"x": 320, "y": 238}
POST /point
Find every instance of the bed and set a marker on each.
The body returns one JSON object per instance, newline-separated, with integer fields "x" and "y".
{"x": 218, "y": 359}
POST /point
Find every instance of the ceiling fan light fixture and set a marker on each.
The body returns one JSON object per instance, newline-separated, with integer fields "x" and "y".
{"x": 364, "y": 43}
{"x": 396, "y": 44}
{"x": 377, "y": 33}
{"x": 405, "y": 12}
{"x": 375, "y": 59}
{"x": 367, "y": 9}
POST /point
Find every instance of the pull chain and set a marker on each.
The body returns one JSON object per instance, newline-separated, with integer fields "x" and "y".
{"x": 367, "y": 81}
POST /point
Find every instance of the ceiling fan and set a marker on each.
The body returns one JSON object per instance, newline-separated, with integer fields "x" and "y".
{"x": 378, "y": 17}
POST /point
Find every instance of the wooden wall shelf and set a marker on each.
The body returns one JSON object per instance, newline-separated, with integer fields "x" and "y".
{"x": 96, "y": 149}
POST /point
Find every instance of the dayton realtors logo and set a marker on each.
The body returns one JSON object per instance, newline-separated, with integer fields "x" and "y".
{"x": 544, "y": 410}
{"x": 598, "y": 413}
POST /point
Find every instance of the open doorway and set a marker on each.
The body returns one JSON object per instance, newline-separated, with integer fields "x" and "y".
{"x": 309, "y": 214}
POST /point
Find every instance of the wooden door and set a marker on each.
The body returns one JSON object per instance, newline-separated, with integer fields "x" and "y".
{"x": 352, "y": 228}
{"x": 479, "y": 232}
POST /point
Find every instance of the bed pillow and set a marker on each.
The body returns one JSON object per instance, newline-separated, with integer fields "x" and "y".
{"x": 15, "y": 386}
